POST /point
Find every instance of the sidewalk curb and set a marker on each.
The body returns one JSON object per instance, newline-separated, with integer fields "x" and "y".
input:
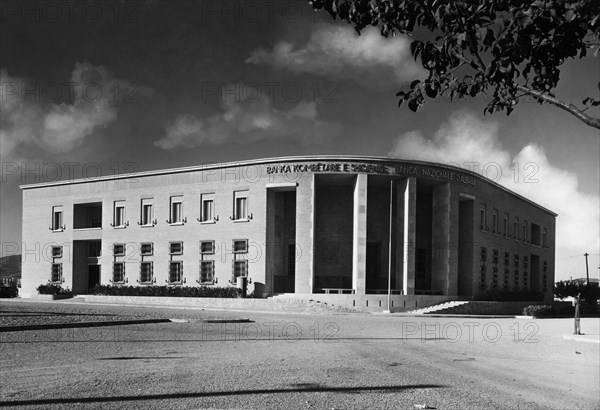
{"x": 582, "y": 338}
{"x": 81, "y": 324}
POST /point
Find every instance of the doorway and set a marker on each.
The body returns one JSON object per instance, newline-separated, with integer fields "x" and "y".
{"x": 93, "y": 277}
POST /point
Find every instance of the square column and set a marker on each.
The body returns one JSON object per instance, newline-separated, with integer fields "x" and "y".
{"x": 305, "y": 229}
{"x": 407, "y": 192}
{"x": 444, "y": 262}
{"x": 359, "y": 235}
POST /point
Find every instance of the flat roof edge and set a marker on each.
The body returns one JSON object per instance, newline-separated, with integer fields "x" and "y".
{"x": 264, "y": 161}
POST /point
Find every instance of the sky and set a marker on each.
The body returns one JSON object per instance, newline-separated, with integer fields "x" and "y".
{"x": 104, "y": 87}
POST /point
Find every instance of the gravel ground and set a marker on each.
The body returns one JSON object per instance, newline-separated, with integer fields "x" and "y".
{"x": 297, "y": 361}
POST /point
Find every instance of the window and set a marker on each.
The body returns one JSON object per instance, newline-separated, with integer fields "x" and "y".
{"x": 119, "y": 214}
{"x": 119, "y": 249}
{"x": 87, "y": 215}
{"x": 535, "y": 234}
{"x": 240, "y": 205}
{"x": 495, "y": 221}
{"x": 175, "y": 272}
{"x": 240, "y": 269}
{"x": 56, "y": 275}
{"x": 524, "y": 237}
{"x": 483, "y": 218}
{"x": 207, "y": 247}
{"x": 176, "y": 248}
{"x": 207, "y": 272}
{"x": 147, "y": 248}
{"x": 495, "y": 256}
{"x": 506, "y": 258}
{"x": 545, "y": 238}
{"x": 175, "y": 216}
{"x": 483, "y": 253}
{"x": 147, "y": 215}
{"x": 207, "y": 208}
{"x": 240, "y": 246}
{"x": 506, "y": 227}
{"x": 57, "y": 218}
{"x": 516, "y": 229}
{"x": 146, "y": 272}
{"x": 57, "y": 251}
{"x": 118, "y": 272}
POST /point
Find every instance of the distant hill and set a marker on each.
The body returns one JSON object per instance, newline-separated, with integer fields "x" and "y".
{"x": 10, "y": 265}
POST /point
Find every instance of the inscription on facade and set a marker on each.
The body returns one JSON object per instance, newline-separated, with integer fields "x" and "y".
{"x": 341, "y": 167}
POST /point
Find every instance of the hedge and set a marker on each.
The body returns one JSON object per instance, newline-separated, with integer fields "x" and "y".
{"x": 174, "y": 291}
{"x": 8, "y": 292}
{"x": 538, "y": 310}
{"x": 50, "y": 289}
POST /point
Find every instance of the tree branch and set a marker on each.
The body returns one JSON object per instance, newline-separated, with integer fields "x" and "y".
{"x": 570, "y": 108}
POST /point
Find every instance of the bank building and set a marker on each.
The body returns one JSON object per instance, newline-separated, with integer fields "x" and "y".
{"x": 337, "y": 228}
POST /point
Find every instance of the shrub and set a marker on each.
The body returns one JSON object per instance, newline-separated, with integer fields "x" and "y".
{"x": 174, "y": 291}
{"x": 8, "y": 292}
{"x": 50, "y": 289}
{"x": 538, "y": 310}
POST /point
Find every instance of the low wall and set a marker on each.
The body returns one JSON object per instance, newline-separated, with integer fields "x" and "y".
{"x": 180, "y": 301}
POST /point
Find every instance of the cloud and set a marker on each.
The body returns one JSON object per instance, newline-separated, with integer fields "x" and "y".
{"x": 249, "y": 119}
{"x": 336, "y": 50}
{"x": 32, "y": 116}
{"x": 464, "y": 139}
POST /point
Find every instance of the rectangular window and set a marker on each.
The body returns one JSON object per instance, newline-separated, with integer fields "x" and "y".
{"x": 495, "y": 221}
{"x": 175, "y": 272}
{"x": 495, "y": 256}
{"x": 483, "y": 253}
{"x": 119, "y": 214}
{"x": 147, "y": 248}
{"x": 506, "y": 226}
{"x": 535, "y": 236}
{"x": 56, "y": 275}
{"x": 147, "y": 213}
{"x": 176, "y": 248}
{"x": 146, "y": 272}
{"x": 240, "y": 205}
{"x": 240, "y": 269}
{"x": 240, "y": 246}
{"x": 207, "y": 247}
{"x": 57, "y": 218}
{"x": 57, "y": 251}
{"x": 176, "y": 210}
{"x": 207, "y": 208}
{"x": 483, "y": 218}
{"x": 516, "y": 229}
{"x": 207, "y": 272}
{"x": 119, "y": 249}
{"x": 545, "y": 238}
{"x": 118, "y": 272}
{"x": 524, "y": 237}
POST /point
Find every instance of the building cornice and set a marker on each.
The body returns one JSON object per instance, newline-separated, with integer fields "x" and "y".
{"x": 275, "y": 160}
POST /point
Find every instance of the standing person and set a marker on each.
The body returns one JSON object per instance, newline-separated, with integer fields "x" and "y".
{"x": 577, "y": 304}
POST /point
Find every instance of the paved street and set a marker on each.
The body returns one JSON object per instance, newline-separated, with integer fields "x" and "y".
{"x": 293, "y": 361}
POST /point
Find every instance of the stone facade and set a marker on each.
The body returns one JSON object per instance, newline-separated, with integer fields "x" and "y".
{"x": 299, "y": 225}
